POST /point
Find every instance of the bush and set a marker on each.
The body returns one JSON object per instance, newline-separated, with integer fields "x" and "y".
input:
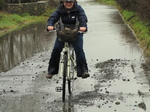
{"x": 2, "y": 4}
{"x": 127, "y": 4}
{"x": 142, "y": 7}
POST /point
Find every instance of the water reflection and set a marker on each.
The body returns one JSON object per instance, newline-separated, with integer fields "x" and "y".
{"x": 68, "y": 106}
{"x": 126, "y": 32}
{"x": 18, "y": 45}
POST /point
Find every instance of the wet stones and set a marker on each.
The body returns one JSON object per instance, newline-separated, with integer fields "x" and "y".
{"x": 142, "y": 105}
{"x": 111, "y": 69}
{"x": 7, "y": 91}
{"x": 117, "y": 103}
{"x": 126, "y": 80}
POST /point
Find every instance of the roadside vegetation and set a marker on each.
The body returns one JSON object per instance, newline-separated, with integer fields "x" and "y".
{"x": 137, "y": 17}
{"x": 109, "y": 2}
{"x": 10, "y": 21}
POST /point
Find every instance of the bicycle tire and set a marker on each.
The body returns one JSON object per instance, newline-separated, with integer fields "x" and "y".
{"x": 70, "y": 81}
{"x": 64, "y": 77}
{"x": 69, "y": 87}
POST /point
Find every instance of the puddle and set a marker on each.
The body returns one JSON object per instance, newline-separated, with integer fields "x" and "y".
{"x": 118, "y": 70}
{"x": 17, "y": 46}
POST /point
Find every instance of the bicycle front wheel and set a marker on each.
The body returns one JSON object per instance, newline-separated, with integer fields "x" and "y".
{"x": 64, "y": 77}
{"x": 70, "y": 80}
{"x": 71, "y": 73}
{"x": 69, "y": 87}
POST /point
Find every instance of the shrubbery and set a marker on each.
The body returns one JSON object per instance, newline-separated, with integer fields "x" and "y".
{"x": 2, "y": 4}
{"x": 53, "y": 3}
{"x": 142, "y": 7}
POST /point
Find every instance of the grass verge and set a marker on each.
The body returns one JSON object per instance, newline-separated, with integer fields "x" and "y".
{"x": 12, "y": 21}
{"x": 109, "y": 2}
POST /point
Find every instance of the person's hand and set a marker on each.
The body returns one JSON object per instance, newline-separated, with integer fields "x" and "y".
{"x": 82, "y": 29}
{"x": 50, "y": 28}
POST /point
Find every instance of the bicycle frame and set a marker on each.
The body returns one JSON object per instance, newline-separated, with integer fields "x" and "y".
{"x": 71, "y": 64}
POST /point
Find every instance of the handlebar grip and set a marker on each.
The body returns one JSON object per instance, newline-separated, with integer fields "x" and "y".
{"x": 51, "y": 30}
{"x": 81, "y": 32}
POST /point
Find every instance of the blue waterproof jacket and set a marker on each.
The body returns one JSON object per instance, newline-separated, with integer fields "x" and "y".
{"x": 69, "y": 18}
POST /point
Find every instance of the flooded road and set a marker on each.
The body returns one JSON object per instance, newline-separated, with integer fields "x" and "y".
{"x": 119, "y": 73}
{"x": 19, "y": 45}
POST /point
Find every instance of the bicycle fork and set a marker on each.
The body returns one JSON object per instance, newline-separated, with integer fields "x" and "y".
{"x": 61, "y": 66}
{"x": 70, "y": 68}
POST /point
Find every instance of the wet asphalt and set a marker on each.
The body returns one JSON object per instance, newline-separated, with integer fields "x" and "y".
{"x": 119, "y": 71}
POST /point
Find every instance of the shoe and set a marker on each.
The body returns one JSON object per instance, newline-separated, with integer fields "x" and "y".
{"x": 49, "y": 76}
{"x": 85, "y": 75}
{"x": 79, "y": 75}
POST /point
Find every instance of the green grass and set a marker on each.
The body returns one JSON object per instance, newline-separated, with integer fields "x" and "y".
{"x": 10, "y": 21}
{"x": 109, "y": 2}
{"x": 140, "y": 28}
{"x": 49, "y": 11}
{"x": 128, "y": 15}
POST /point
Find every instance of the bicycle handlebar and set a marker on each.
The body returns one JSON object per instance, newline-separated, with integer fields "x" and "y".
{"x": 56, "y": 30}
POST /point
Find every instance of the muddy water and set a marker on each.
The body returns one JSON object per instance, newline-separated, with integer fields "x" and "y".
{"x": 19, "y": 45}
{"x": 118, "y": 81}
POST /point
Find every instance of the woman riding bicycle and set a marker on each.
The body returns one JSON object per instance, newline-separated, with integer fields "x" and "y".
{"x": 69, "y": 11}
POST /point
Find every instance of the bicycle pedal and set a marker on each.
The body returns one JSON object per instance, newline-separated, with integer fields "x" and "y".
{"x": 75, "y": 78}
{"x": 58, "y": 89}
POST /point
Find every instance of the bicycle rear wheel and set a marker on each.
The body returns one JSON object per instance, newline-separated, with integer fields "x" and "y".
{"x": 64, "y": 77}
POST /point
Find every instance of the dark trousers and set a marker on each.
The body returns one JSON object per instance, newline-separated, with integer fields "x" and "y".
{"x": 80, "y": 56}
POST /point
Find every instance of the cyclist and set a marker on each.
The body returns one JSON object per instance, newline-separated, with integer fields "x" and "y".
{"x": 68, "y": 11}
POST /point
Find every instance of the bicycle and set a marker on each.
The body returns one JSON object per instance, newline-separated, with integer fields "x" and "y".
{"x": 67, "y": 68}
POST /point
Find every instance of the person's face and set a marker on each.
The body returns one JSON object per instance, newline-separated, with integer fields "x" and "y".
{"x": 68, "y": 5}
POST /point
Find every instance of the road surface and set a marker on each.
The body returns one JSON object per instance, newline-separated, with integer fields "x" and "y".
{"x": 118, "y": 81}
